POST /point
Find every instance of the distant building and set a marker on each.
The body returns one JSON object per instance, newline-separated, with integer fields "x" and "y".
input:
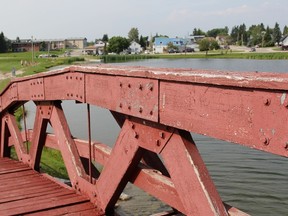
{"x": 76, "y": 43}
{"x": 135, "y": 48}
{"x": 96, "y": 49}
{"x": 25, "y": 45}
{"x": 161, "y": 44}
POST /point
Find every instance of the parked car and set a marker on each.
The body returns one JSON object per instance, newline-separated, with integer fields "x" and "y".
{"x": 173, "y": 51}
{"x": 189, "y": 49}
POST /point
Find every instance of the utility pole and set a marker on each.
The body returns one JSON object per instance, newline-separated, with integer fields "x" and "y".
{"x": 32, "y": 49}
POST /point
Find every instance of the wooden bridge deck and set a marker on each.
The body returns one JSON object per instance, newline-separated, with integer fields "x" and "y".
{"x": 26, "y": 192}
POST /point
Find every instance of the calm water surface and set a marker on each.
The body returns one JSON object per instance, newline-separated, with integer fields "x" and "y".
{"x": 250, "y": 180}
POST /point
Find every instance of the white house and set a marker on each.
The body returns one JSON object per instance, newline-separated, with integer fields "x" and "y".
{"x": 135, "y": 48}
{"x": 284, "y": 43}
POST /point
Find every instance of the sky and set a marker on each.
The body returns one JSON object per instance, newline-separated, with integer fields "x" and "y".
{"x": 59, "y": 19}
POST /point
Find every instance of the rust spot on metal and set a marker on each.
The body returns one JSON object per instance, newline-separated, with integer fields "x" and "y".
{"x": 266, "y": 141}
{"x": 267, "y": 101}
{"x": 158, "y": 143}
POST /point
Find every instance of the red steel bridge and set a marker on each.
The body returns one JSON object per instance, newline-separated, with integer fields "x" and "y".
{"x": 156, "y": 108}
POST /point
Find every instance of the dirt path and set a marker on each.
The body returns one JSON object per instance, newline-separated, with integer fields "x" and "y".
{"x": 9, "y": 75}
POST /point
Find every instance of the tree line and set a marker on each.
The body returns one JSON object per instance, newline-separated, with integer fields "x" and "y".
{"x": 260, "y": 35}
{"x": 252, "y": 36}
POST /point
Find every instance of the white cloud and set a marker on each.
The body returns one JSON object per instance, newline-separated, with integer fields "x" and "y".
{"x": 241, "y": 10}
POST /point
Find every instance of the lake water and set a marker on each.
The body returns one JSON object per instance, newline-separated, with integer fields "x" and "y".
{"x": 253, "y": 181}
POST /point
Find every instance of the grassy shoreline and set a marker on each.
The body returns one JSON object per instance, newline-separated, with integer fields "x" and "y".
{"x": 214, "y": 54}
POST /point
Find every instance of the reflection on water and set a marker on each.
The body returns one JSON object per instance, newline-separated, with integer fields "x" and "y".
{"x": 250, "y": 180}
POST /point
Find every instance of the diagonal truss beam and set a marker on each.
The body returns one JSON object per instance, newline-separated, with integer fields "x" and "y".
{"x": 9, "y": 126}
{"x": 66, "y": 144}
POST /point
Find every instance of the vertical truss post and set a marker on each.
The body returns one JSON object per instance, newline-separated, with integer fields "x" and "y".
{"x": 5, "y": 150}
{"x": 89, "y": 142}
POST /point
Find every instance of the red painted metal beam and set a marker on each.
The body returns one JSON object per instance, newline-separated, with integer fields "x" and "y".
{"x": 227, "y": 106}
{"x": 224, "y": 105}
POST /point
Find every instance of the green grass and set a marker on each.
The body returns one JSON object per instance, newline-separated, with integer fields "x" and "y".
{"x": 219, "y": 54}
{"x": 51, "y": 162}
{"x": 8, "y": 61}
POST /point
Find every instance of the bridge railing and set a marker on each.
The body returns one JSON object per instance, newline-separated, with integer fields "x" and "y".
{"x": 156, "y": 109}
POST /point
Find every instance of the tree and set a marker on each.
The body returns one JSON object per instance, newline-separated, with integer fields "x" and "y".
{"x": 143, "y": 41}
{"x": 204, "y": 45}
{"x": 217, "y": 31}
{"x": 3, "y": 43}
{"x": 268, "y": 40}
{"x": 133, "y": 35}
{"x": 277, "y": 34}
{"x": 117, "y": 44}
{"x": 198, "y": 32}
{"x": 255, "y": 34}
{"x": 171, "y": 46}
{"x": 105, "y": 38}
{"x": 285, "y": 30}
{"x": 207, "y": 44}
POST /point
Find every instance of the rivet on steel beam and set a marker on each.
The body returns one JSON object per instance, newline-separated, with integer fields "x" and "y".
{"x": 67, "y": 77}
{"x": 140, "y": 86}
{"x": 158, "y": 142}
{"x": 129, "y": 107}
{"x": 151, "y": 113}
{"x": 162, "y": 135}
{"x": 121, "y": 84}
{"x": 136, "y": 135}
{"x": 150, "y": 87}
{"x": 266, "y": 141}
{"x": 129, "y": 85}
{"x": 140, "y": 109}
{"x": 133, "y": 126}
{"x": 267, "y": 102}
{"x": 120, "y": 105}
{"x": 286, "y": 146}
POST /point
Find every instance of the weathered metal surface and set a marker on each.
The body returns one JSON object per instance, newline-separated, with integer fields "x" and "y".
{"x": 153, "y": 107}
{"x": 67, "y": 86}
{"x": 26, "y": 192}
{"x": 227, "y": 113}
{"x": 131, "y": 96}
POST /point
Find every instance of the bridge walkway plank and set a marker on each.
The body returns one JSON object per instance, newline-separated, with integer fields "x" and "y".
{"x": 26, "y": 192}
